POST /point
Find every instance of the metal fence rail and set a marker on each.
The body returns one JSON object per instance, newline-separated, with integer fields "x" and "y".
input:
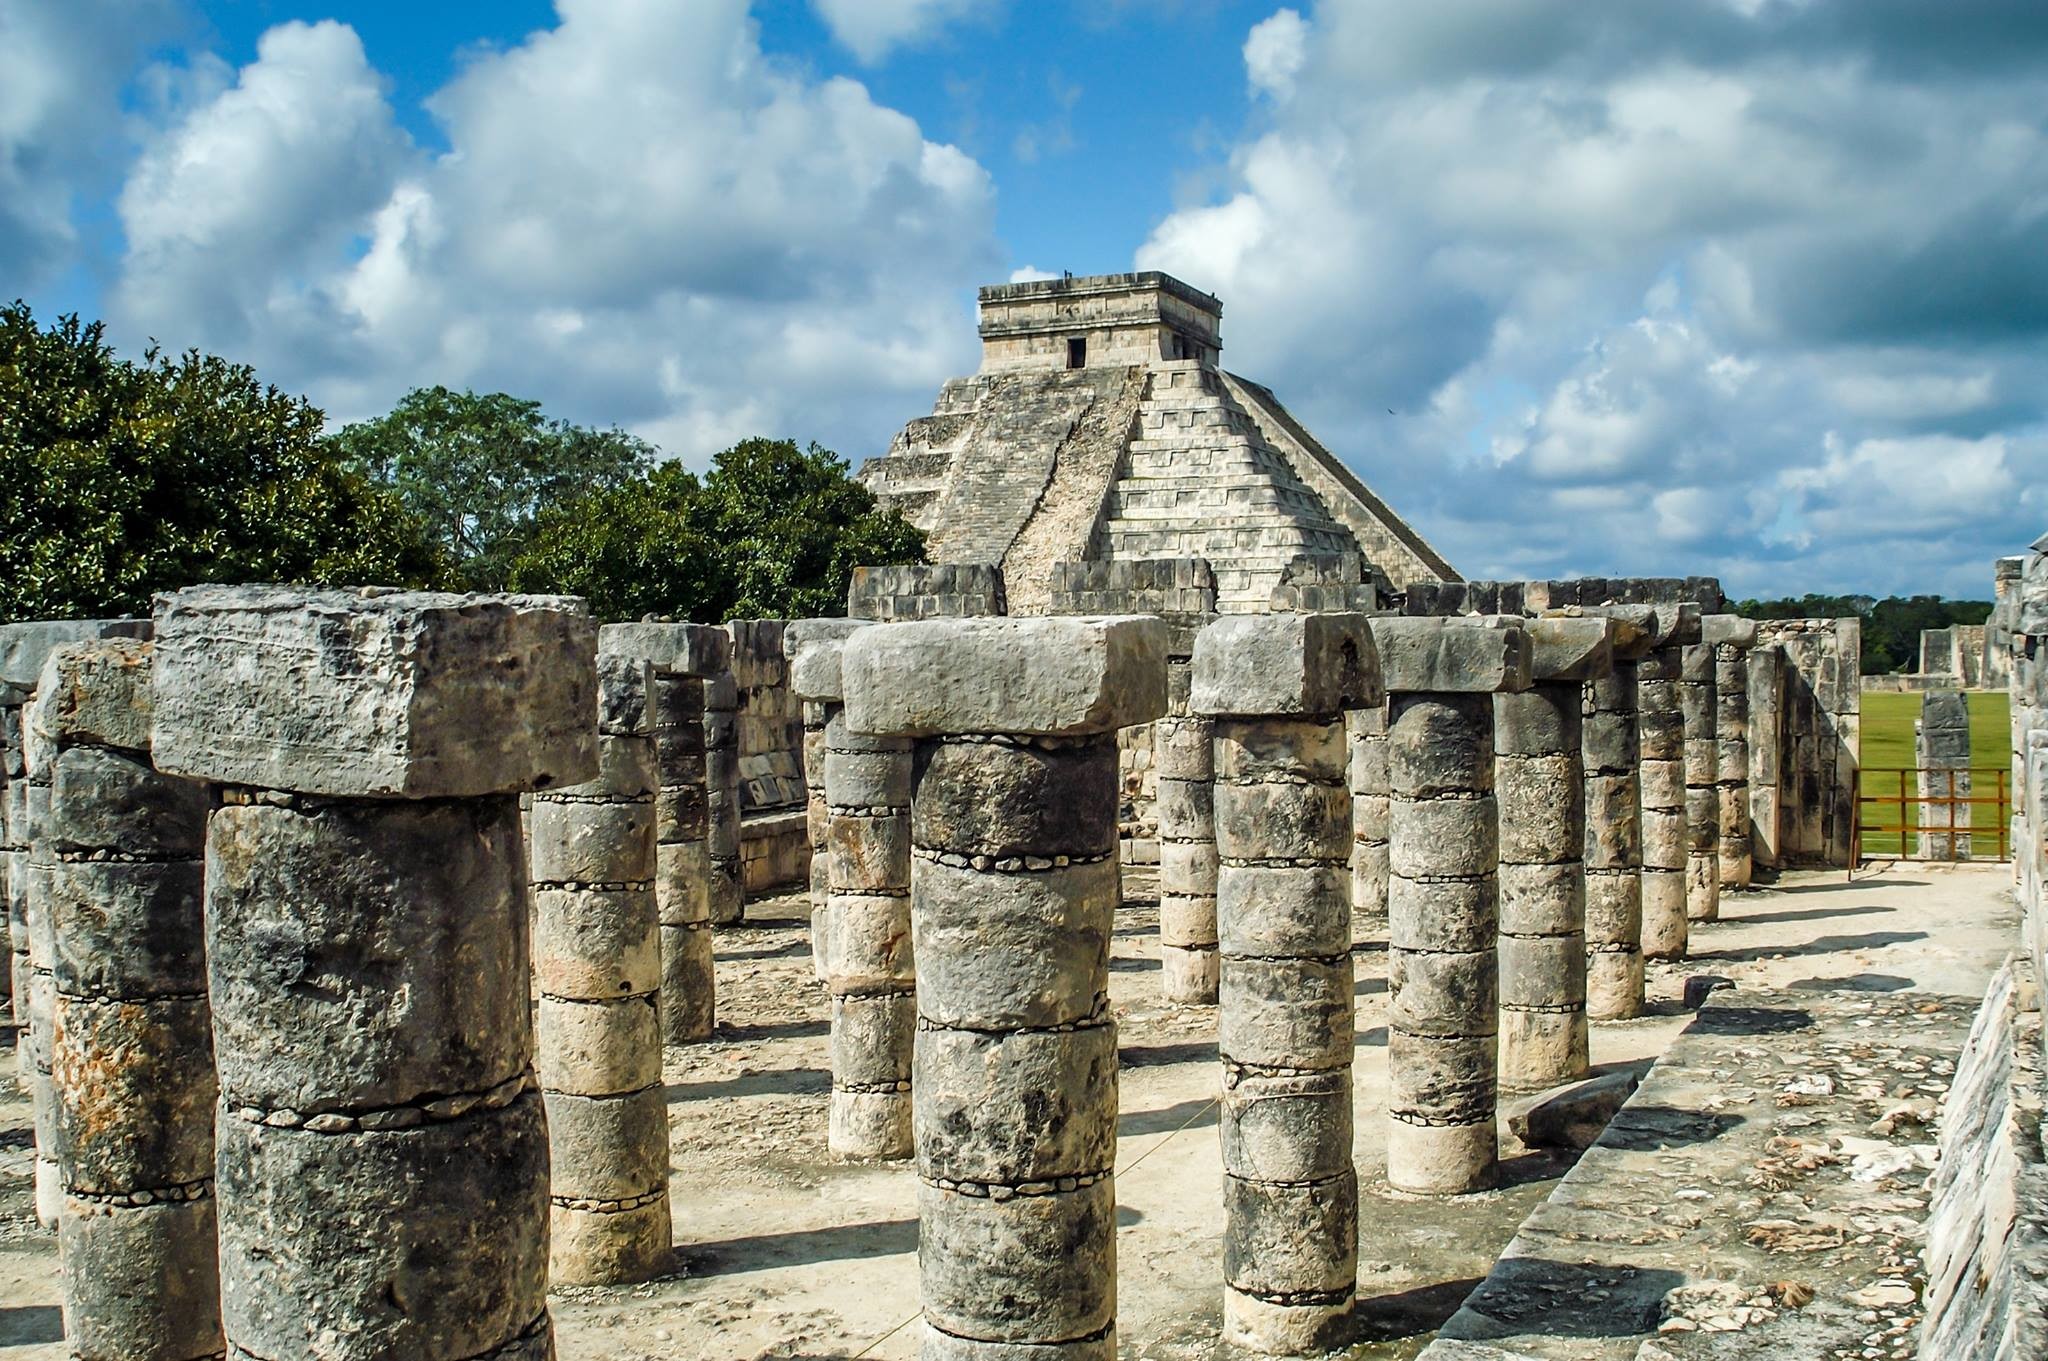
{"x": 1963, "y": 841}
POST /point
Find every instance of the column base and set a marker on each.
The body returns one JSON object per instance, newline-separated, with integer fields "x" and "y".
{"x": 1442, "y": 1160}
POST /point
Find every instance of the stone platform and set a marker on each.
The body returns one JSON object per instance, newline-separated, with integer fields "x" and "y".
{"x": 1761, "y": 1195}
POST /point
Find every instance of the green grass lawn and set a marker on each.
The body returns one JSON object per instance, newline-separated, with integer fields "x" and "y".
{"x": 1888, "y": 747}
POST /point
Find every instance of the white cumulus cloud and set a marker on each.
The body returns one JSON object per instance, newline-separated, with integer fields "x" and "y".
{"x": 871, "y": 29}
{"x": 639, "y": 218}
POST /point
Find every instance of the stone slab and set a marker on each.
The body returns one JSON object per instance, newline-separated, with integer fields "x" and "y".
{"x": 1438, "y": 655}
{"x": 375, "y": 694}
{"x": 1049, "y": 677}
{"x": 1285, "y": 665}
{"x": 1732, "y": 629}
{"x": 97, "y": 692}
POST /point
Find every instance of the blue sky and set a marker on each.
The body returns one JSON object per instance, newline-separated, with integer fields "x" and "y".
{"x": 1755, "y": 287}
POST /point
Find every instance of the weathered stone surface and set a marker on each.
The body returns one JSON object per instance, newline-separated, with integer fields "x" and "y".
{"x": 1016, "y": 1108}
{"x": 1044, "y": 677}
{"x": 594, "y": 943}
{"x": 595, "y": 1048}
{"x": 984, "y": 798}
{"x": 1730, "y": 629}
{"x": 125, "y": 928}
{"x": 25, "y": 647}
{"x": 134, "y": 1089}
{"x": 396, "y": 925}
{"x": 97, "y": 692}
{"x": 103, "y": 800}
{"x": 1564, "y": 649}
{"x": 1295, "y": 665}
{"x": 142, "y": 1283}
{"x": 1453, "y": 656}
{"x": 360, "y": 1246}
{"x": 1294, "y": 1127}
{"x": 405, "y": 694}
{"x": 998, "y": 951}
{"x": 1571, "y": 1115}
{"x": 701, "y": 650}
{"x": 1291, "y": 1239}
{"x": 1286, "y": 1013}
{"x": 1031, "y": 1268}
{"x": 610, "y": 1148}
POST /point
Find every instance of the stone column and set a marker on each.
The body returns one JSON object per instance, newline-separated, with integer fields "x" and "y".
{"x": 692, "y": 666}
{"x": 132, "y": 1047}
{"x": 381, "y": 1152}
{"x": 1702, "y": 780}
{"x": 1766, "y": 688}
{"x": 1277, "y": 687}
{"x": 862, "y": 941}
{"x": 1187, "y": 857}
{"x": 24, "y": 648}
{"x": 722, "y": 783}
{"x": 1540, "y": 786}
{"x": 1660, "y": 726}
{"x": 1942, "y": 744}
{"x": 1366, "y": 729}
{"x": 1732, "y": 638}
{"x": 1013, "y": 891}
{"x": 1443, "y": 853}
{"x": 817, "y": 816}
{"x": 597, "y": 962}
{"x": 1612, "y": 759}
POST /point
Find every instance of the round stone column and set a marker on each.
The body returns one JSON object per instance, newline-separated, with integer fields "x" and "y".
{"x": 132, "y": 1048}
{"x": 1277, "y": 687}
{"x": 722, "y": 782}
{"x": 862, "y": 940}
{"x": 597, "y": 964}
{"x": 1540, "y": 786}
{"x": 1187, "y": 860}
{"x": 381, "y": 1151}
{"x": 692, "y": 665}
{"x": 1732, "y": 639}
{"x": 1660, "y": 727}
{"x": 1366, "y": 729}
{"x": 1702, "y": 783}
{"x": 1443, "y": 903}
{"x": 1614, "y": 848}
{"x": 24, "y": 649}
{"x": 1014, "y": 886}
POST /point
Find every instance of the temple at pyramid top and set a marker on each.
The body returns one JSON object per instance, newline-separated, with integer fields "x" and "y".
{"x": 1101, "y": 426}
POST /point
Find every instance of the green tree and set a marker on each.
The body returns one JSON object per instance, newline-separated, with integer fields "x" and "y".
{"x": 479, "y": 470}
{"x": 1891, "y": 626}
{"x": 121, "y": 479}
{"x": 774, "y": 531}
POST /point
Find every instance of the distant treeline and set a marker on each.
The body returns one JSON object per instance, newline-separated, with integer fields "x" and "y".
{"x": 1891, "y": 626}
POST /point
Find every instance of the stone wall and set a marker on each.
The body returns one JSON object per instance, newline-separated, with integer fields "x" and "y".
{"x": 773, "y": 850}
{"x": 1819, "y": 736}
{"x": 926, "y": 590}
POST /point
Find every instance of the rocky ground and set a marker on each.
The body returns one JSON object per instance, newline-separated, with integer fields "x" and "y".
{"x": 784, "y": 1254}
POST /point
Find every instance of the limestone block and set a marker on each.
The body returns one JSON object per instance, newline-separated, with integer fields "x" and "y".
{"x": 1562, "y": 649}
{"x": 138, "y": 1282}
{"x": 1011, "y": 950}
{"x": 97, "y": 694}
{"x": 1004, "y": 800}
{"x": 1453, "y": 656}
{"x": 1272, "y": 665}
{"x": 813, "y": 647}
{"x": 25, "y": 648}
{"x": 1290, "y": 1239}
{"x": 126, "y": 928}
{"x": 1045, "y": 677}
{"x": 1730, "y": 629}
{"x": 1005, "y": 1270}
{"x": 135, "y": 1089}
{"x": 408, "y": 694}
{"x": 682, "y": 649}
{"x": 1016, "y": 1108}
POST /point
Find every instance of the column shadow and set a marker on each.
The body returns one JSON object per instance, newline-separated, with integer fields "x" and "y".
{"x": 803, "y": 1247}
{"x": 26, "y": 1325}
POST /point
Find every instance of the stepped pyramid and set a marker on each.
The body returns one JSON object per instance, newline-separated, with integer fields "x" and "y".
{"x": 1101, "y": 427}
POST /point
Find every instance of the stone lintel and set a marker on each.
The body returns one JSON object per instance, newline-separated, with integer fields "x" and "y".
{"x": 1052, "y": 676}
{"x": 813, "y": 647}
{"x": 373, "y": 693}
{"x": 1570, "y": 649}
{"x": 1638, "y": 629}
{"x": 1285, "y": 665}
{"x": 678, "y": 648}
{"x": 1438, "y": 655}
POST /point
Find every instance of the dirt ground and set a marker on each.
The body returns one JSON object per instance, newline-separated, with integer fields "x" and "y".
{"x": 782, "y": 1253}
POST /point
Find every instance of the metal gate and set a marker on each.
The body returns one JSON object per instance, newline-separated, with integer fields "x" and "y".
{"x": 1948, "y": 817}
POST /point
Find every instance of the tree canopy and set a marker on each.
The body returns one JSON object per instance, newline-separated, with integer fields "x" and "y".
{"x": 119, "y": 479}
{"x": 479, "y": 469}
{"x": 1891, "y": 626}
{"x": 773, "y": 531}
